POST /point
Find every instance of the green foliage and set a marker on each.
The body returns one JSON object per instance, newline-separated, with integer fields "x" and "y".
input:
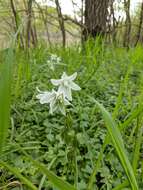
{"x": 84, "y": 147}
{"x": 56, "y": 181}
{"x": 119, "y": 145}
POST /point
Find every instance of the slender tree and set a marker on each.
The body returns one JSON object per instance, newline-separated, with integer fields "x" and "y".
{"x": 61, "y": 21}
{"x": 29, "y": 16}
{"x": 127, "y": 33}
{"x": 140, "y": 25}
{"x": 16, "y": 20}
{"x": 113, "y": 20}
{"x": 44, "y": 19}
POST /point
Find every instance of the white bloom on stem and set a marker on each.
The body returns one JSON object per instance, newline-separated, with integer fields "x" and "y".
{"x": 43, "y": 96}
{"x": 56, "y": 100}
{"x": 55, "y": 58}
{"x": 66, "y": 84}
{"x": 53, "y": 61}
{"x": 51, "y": 65}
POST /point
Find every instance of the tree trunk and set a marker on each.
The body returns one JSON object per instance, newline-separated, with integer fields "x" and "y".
{"x": 114, "y": 23}
{"x": 127, "y": 23}
{"x": 140, "y": 25}
{"x": 29, "y": 16}
{"x": 16, "y": 19}
{"x": 35, "y": 38}
{"x": 44, "y": 19}
{"x": 96, "y": 12}
{"x": 61, "y": 21}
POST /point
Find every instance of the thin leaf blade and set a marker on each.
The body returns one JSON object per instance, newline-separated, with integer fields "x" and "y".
{"x": 118, "y": 145}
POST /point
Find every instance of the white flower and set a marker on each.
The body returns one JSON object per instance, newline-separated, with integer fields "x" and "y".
{"x": 53, "y": 61}
{"x": 44, "y": 96}
{"x": 55, "y": 58}
{"x": 66, "y": 84}
{"x": 56, "y": 100}
{"x": 51, "y": 65}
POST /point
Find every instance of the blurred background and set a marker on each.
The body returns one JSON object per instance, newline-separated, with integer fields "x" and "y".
{"x": 70, "y": 21}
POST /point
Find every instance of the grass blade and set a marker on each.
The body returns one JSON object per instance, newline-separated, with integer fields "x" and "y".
{"x": 114, "y": 115}
{"x": 122, "y": 186}
{"x": 5, "y": 86}
{"x": 118, "y": 145}
{"x": 137, "y": 111}
{"x": 55, "y": 180}
{"x": 137, "y": 153}
{"x": 19, "y": 175}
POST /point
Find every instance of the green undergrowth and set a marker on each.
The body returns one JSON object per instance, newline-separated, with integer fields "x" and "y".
{"x": 103, "y": 146}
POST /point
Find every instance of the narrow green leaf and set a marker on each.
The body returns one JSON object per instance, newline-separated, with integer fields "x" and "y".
{"x": 19, "y": 175}
{"x": 107, "y": 138}
{"x": 122, "y": 186}
{"x": 5, "y": 88}
{"x": 136, "y": 155}
{"x": 55, "y": 180}
{"x": 118, "y": 145}
{"x": 137, "y": 111}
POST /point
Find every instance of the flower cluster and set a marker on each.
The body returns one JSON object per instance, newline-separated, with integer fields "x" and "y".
{"x": 53, "y": 61}
{"x": 59, "y": 99}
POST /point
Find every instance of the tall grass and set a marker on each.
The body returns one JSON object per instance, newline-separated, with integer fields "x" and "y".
{"x": 5, "y": 95}
{"x": 5, "y": 104}
{"x": 119, "y": 146}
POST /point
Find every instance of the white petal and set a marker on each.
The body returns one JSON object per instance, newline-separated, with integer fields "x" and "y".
{"x": 52, "y": 66}
{"x": 64, "y": 75}
{"x": 39, "y": 96}
{"x": 68, "y": 94}
{"x": 62, "y": 109}
{"x": 74, "y": 86}
{"x": 61, "y": 90}
{"x": 56, "y": 82}
{"x": 44, "y": 97}
{"x": 38, "y": 90}
{"x": 66, "y": 91}
{"x": 66, "y": 102}
{"x": 53, "y": 106}
{"x": 73, "y": 76}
